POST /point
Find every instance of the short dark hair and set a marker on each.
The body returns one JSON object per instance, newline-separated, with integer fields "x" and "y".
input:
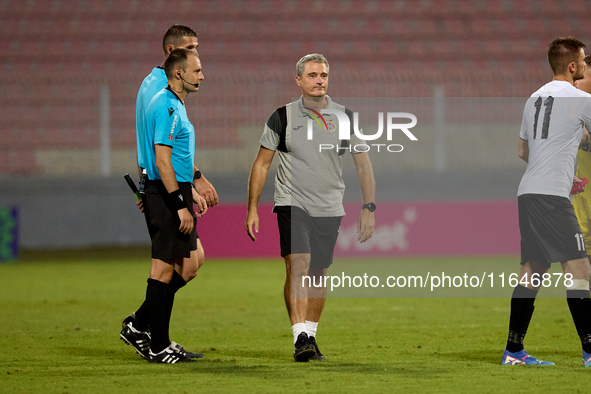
{"x": 175, "y": 34}
{"x": 177, "y": 58}
{"x": 587, "y": 60}
{"x": 562, "y": 52}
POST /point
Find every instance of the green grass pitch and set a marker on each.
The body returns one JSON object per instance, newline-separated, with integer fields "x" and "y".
{"x": 60, "y": 319}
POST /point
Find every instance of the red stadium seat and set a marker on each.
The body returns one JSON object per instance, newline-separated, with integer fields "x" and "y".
{"x": 417, "y": 48}
{"x": 482, "y": 27}
{"x": 67, "y": 8}
{"x": 423, "y": 27}
{"x": 268, "y": 28}
{"x": 416, "y": 8}
{"x": 520, "y": 48}
{"x": 440, "y": 9}
{"x": 469, "y": 8}
{"x": 469, "y": 48}
{"x": 493, "y": 49}
{"x": 443, "y": 49}
{"x": 453, "y": 27}
{"x": 330, "y": 7}
{"x": 564, "y": 27}
{"x": 396, "y": 27}
{"x": 509, "y": 27}
{"x": 38, "y": 7}
{"x": 372, "y": 29}
{"x": 577, "y": 7}
{"x": 521, "y": 8}
{"x": 554, "y": 8}
{"x": 496, "y": 8}
{"x": 534, "y": 26}
{"x": 363, "y": 48}
{"x": 6, "y": 50}
{"x": 21, "y": 162}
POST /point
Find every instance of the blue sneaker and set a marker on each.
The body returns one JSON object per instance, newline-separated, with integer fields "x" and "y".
{"x": 522, "y": 358}
{"x": 586, "y": 359}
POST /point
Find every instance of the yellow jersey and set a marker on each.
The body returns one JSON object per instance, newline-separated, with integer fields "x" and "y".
{"x": 582, "y": 201}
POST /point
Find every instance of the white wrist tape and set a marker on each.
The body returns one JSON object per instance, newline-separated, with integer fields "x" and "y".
{"x": 579, "y": 284}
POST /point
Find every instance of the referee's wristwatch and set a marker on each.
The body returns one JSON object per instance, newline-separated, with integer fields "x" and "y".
{"x": 371, "y": 207}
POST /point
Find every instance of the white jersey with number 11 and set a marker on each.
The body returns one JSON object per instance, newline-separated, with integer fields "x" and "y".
{"x": 552, "y": 124}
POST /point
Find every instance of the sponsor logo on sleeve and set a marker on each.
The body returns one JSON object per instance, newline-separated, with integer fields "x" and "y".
{"x": 174, "y": 122}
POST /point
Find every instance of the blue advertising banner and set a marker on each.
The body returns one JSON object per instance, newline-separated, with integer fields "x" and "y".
{"x": 8, "y": 234}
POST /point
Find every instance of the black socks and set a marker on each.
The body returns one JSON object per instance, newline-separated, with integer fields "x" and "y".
{"x": 175, "y": 284}
{"x": 157, "y": 309}
{"x": 141, "y": 319}
{"x": 579, "y": 304}
{"x": 157, "y": 314}
{"x": 522, "y": 309}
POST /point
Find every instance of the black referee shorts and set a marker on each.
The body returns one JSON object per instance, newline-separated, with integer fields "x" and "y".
{"x": 163, "y": 222}
{"x": 302, "y": 233}
{"x": 550, "y": 232}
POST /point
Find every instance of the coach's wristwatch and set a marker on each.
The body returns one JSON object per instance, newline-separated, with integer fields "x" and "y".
{"x": 197, "y": 175}
{"x": 371, "y": 207}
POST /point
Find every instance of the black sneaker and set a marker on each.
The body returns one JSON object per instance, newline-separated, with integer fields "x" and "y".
{"x": 128, "y": 319}
{"x": 138, "y": 339}
{"x": 318, "y": 355}
{"x": 304, "y": 349}
{"x": 169, "y": 356}
{"x": 185, "y": 353}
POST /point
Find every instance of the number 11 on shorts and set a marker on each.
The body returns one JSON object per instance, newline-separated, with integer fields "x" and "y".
{"x": 580, "y": 241}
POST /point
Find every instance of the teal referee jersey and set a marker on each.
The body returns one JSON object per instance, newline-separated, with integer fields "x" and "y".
{"x": 151, "y": 85}
{"x": 167, "y": 124}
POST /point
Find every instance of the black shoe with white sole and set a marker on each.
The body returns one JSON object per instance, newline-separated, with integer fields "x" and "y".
{"x": 139, "y": 340}
{"x": 318, "y": 355}
{"x": 304, "y": 349}
{"x": 169, "y": 356}
{"x": 128, "y": 319}
{"x": 184, "y": 352}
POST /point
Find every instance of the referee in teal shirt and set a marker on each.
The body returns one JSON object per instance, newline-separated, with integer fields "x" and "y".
{"x": 135, "y": 328}
{"x": 168, "y": 200}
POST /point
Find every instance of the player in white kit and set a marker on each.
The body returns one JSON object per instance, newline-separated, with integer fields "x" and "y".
{"x": 550, "y": 135}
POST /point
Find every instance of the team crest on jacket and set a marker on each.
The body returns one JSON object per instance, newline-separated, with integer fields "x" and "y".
{"x": 331, "y": 127}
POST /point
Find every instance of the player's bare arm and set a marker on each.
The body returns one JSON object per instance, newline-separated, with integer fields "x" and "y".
{"x": 366, "y": 222}
{"x": 523, "y": 150}
{"x": 200, "y": 202}
{"x": 206, "y": 189}
{"x": 585, "y": 139}
{"x": 166, "y": 170}
{"x": 256, "y": 182}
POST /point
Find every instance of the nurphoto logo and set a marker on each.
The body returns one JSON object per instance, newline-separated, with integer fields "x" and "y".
{"x": 345, "y": 129}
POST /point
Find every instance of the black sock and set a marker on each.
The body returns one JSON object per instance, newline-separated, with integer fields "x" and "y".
{"x": 522, "y": 309}
{"x": 580, "y": 309}
{"x": 175, "y": 284}
{"x": 155, "y": 308}
{"x": 141, "y": 319}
